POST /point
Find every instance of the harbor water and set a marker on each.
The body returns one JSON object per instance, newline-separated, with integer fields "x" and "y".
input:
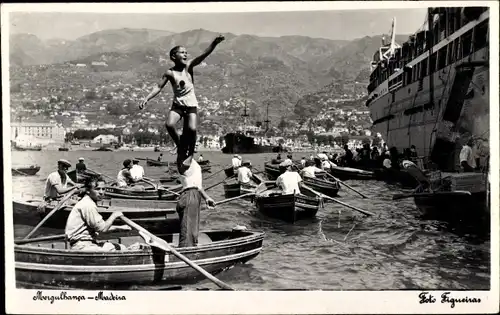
{"x": 338, "y": 250}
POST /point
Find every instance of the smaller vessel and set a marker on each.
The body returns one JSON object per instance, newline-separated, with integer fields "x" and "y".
{"x": 25, "y": 170}
{"x": 324, "y": 186}
{"x": 237, "y": 189}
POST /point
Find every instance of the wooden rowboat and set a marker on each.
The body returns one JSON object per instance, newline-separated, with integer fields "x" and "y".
{"x": 236, "y": 189}
{"x": 148, "y": 193}
{"x": 143, "y": 212}
{"x": 150, "y": 162}
{"x": 229, "y": 171}
{"x": 289, "y": 208}
{"x": 80, "y": 177}
{"x": 25, "y": 170}
{"x": 51, "y": 264}
{"x": 329, "y": 188}
{"x": 346, "y": 173}
{"x": 272, "y": 170}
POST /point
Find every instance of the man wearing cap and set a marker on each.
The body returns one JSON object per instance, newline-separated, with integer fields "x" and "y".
{"x": 80, "y": 166}
{"x": 137, "y": 171}
{"x": 57, "y": 182}
{"x": 289, "y": 180}
{"x": 236, "y": 162}
{"x": 244, "y": 173}
{"x": 124, "y": 177}
{"x": 189, "y": 202}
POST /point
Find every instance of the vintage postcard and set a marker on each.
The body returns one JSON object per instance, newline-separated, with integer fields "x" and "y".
{"x": 256, "y": 158}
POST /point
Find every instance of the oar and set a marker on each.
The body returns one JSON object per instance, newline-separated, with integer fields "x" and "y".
{"x": 59, "y": 206}
{"x": 335, "y": 178}
{"x": 234, "y": 198}
{"x": 337, "y": 201}
{"x": 112, "y": 179}
{"x": 213, "y": 174}
{"x": 40, "y": 239}
{"x": 218, "y": 183}
{"x": 168, "y": 190}
{"x": 429, "y": 194}
{"x": 162, "y": 244}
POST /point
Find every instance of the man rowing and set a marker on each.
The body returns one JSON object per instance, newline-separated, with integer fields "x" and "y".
{"x": 245, "y": 174}
{"x": 84, "y": 221}
{"x": 124, "y": 177}
{"x": 236, "y": 161}
{"x": 136, "y": 171}
{"x": 58, "y": 183}
{"x": 310, "y": 170}
{"x": 189, "y": 202}
{"x": 289, "y": 180}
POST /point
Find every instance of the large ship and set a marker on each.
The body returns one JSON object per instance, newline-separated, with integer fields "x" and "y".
{"x": 242, "y": 143}
{"x": 433, "y": 90}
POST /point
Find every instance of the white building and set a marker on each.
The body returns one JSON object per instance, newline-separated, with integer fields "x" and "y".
{"x": 47, "y": 131}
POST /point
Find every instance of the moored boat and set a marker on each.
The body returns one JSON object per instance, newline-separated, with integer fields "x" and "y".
{"x": 289, "y": 208}
{"x": 25, "y": 170}
{"x": 53, "y": 264}
{"x": 150, "y": 162}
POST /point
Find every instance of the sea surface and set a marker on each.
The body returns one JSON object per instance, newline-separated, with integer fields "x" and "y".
{"x": 338, "y": 250}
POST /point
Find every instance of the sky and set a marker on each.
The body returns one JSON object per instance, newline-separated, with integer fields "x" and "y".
{"x": 344, "y": 24}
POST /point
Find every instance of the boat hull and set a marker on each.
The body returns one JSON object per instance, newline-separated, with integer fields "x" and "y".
{"x": 25, "y": 171}
{"x": 346, "y": 173}
{"x": 64, "y": 268}
{"x": 272, "y": 170}
{"x": 323, "y": 186}
{"x": 147, "y": 194}
{"x": 289, "y": 208}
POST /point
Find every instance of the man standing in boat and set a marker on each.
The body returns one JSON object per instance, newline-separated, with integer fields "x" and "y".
{"x": 189, "y": 202}
{"x": 57, "y": 182}
{"x": 84, "y": 221}
{"x": 467, "y": 158}
{"x": 289, "y": 180}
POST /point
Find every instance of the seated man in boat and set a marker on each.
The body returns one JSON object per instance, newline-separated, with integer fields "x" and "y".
{"x": 289, "y": 180}
{"x": 58, "y": 183}
{"x": 467, "y": 158}
{"x": 136, "y": 171}
{"x": 85, "y": 222}
{"x": 160, "y": 157}
{"x": 303, "y": 161}
{"x": 348, "y": 156}
{"x": 189, "y": 202}
{"x": 310, "y": 170}
{"x": 80, "y": 166}
{"x": 236, "y": 162}
{"x": 200, "y": 158}
{"x": 124, "y": 178}
{"x": 245, "y": 174}
{"x": 325, "y": 163}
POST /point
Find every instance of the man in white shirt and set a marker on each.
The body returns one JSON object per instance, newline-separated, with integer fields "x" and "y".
{"x": 84, "y": 221}
{"x": 236, "y": 162}
{"x": 310, "y": 170}
{"x": 303, "y": 161}
{"x": 467, "y": 158}
{"x": 57, "y": 182}
{"x": 289, "y": 181}
{"x": 244, "y": 173}
{"x": 189, "y": 202}
{"x": 200, "y": 158}
{"x": 137, "y": 171}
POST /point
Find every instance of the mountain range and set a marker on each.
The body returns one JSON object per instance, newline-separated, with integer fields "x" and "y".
{"x": 278, "y": 71}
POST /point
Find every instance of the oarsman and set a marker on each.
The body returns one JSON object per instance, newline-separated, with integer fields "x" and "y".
{"x": 84, "y": 221}
{"x": 303, "y": 161}
{"x": 236, "y": 162}
{"x": 189, "y": 202}
{"x": 137, "y": 171}
{"x": 200, "y": 158}
{"x": 160, "y": 157}
{"x": 80, "y": 166}
{"x": 244, "y": 173}
{"x": 124, "y": 177}
{"x": 58, "y": 183}
{"x": 289, "y": 181}
{"x": 310, "y": 170}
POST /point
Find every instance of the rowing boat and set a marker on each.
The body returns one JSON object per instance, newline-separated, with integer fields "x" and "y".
{"x": 141, "y": 192}
{"x": 143, "y": 212}
{"x": 272, "y": 170}
{"x": 237, "y": 189}
{"x": 150, "y": 162}
{"x": 289, "y": 208}
{"x": 229, "y": 171}
{"x": 329, "y": 188}
{"x": 394, "y": 176}
{"x": 80, "y": 177}
{"x": 25, "y": 170}
{"x": 51, "y": 264}
{"x": 346, "y": 173}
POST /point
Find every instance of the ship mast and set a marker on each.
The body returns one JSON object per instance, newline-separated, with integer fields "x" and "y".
{"x": 245, "y": 115}
{"x": 267, "y": 119}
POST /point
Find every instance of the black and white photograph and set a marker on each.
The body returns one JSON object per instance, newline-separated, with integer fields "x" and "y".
{"x": 331, "y": 157}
